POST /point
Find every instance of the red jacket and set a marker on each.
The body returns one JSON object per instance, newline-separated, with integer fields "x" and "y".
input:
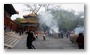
{"x": 80, "y": 40}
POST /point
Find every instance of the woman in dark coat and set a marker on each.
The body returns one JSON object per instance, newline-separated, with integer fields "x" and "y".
{"x": 80, "y": 41}
{"x": 30, "y": 39}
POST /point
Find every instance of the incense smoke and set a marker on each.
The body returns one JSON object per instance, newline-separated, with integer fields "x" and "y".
{"x": 78, "y": 30}
{"x": 47, "y": 19}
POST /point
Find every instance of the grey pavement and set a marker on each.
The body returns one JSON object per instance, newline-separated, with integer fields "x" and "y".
{"x": 49, "y": 43}
{"x": 22, "y": 43}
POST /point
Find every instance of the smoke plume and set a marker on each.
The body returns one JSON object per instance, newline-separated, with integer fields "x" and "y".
{"x": 47, "y": 19}
{"x": 78, "y": 30}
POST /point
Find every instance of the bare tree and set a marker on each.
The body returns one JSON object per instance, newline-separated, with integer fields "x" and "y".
{"x": 36, "y": 7}
{"x": 33, "y": 8}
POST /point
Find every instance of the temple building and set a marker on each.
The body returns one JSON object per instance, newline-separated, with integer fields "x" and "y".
{"x": 30, "y": 22}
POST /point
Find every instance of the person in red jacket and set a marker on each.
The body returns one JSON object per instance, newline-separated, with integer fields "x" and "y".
{"x": 44, "y": 36}
{"x": 80, "y": 41}
{"x": 36, "y": 34}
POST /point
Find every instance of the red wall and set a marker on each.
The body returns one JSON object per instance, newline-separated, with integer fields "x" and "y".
{"x": 8, "y": 22}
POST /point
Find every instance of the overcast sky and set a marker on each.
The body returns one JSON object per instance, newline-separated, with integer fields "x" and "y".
{"x": 21, "y": 9}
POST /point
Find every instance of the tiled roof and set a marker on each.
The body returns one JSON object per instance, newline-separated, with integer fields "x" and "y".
{"x": 29, "y": 21}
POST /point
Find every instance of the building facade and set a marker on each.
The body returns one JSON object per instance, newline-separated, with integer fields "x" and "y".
{"x": 8, "y": 12}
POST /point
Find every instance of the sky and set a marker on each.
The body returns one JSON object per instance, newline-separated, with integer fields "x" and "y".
{"x": 76, "y": 7}
{"x": 21, "y": 9}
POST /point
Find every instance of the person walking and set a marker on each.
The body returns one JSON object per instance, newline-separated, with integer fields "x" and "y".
{"x": 4, "y": 27}
{"x": 30, "y": 39}
{"x": 67, "y": 33}
{"x": 44, "y": 36}
{"x": 61, "y": 34}
{"x": 36, "y": 34}
{"x": 20, "y": 32}
{"x": 80, "y": 41}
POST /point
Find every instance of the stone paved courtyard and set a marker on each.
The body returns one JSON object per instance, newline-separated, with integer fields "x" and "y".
{"x": 49, "y": 43}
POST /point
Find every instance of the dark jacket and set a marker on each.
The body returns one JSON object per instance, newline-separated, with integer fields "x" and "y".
{"x": 80, "y": 40}
{"x": 29, "y": 38}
